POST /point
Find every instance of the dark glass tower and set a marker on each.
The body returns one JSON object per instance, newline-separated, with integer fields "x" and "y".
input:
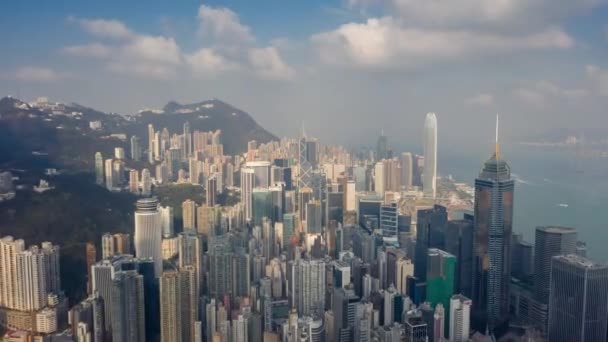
{"x": 430, "y": 233}
{"x": 493, "y": 226}
{"x": 459, "y": 242}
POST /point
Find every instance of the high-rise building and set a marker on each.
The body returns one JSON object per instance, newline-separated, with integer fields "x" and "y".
{"x": 91, "y": 259}
{"x": 405, "y": 269}
{"x": 128, "y": 310}
{"x": 135, "y": 149}
{"x": 190, "y": 251}
{"x": 407, "y": 167}
{"x": 146, "y": 183}
{"x": 177, "y": 323}
{"x": 307, "y": 159}
{"x": 429, "y": 179}
{"x": 578, "y": 295}
{"x": 440, "y": 278}
{"x": 187, "y": 142}
{"x": 261, "y": 170}
{"x": 492, "y": 243}
{"x": 388, "y": 220}
{"x": 379, "y": 178}
{"x": 151, "y": 143}
{"x": 307, "y": 286}
{"x": 220, "y": 266}
{"x": 99, "y": 166}
{"x": 382, "y": 149}
{"x": 109, "y": 172}
{"x": 31, "y": 280}
{"x": 148, "y": 232}
{"x": 313, "y": 217}
{"x": 430, "y": 233}
{"x": 549, "y": 242}
{"x": 344, "y": 307}
{"x": 415, "y": 329}
{"x": 134, "y": 182}
{"x": 211, "y": 191}
{"x": 119, "y": 153}
{"x": 9, "y": 280}
{"x": 90, "y": 313}
{"x": 189, "y": 214}
{"x": 261, "y": 205}
{"x": 167, "y": 222}
{"x": 247, "y": 185}
{"x": 460, "y": 316}
{"x": 459, "y": 242}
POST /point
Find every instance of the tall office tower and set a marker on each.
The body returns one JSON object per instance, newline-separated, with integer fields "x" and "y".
{"x": 305, "y": 165}
{"x": 91, "y": 259}
{"x": 90, "y": 313}
{"x": 166, "y": 217}
{"x": 102, "y": 274}
{"x": 388, "y": 220}
{"x": 134, "y": 182}
{"x": 128, "y": 310}
{"x": 415, "y": 329}
{"x": 430, "y": 233}
{"x": 350, "y": 193}
{"x": 146, "y": 183}
{"x": 313, "y": 217}
{"x": 550, "y": 241}
{"x": 389, "y": 305}
{"x": 577, "y": 301}
{"x": 107, "y": 246}
{"x": 220, "y": 266}
{"x": 194, "y": 171}
{"x": 31, "y": 280}
{"x": 308, "y": 286}
{"x": 305, "y": 196}
{"x": 429, "y": 179}
{"x": 51, "y": 265}
{"x": 407, "y": 167}
{"x": 109, "y": 172}
{"x": 440, "y": 278}
{"x": 405, "y": 269}
{"x": 177, "y": 323}
{"x": 261, "y": 169}
{"x": 190, "y": 251}
{"x": 459, "y": 242}
{"x": 158, "y": 147}
{"x": 379, "y": 178}
{"x": 247, "y": 185}
{"x": 189, "y": 214}
{"x": 268, "y": 239}
{"x": 241, "y": 271}
{"x": 278, "y": 202}
{"x": 9, "y": 280}
{"x": 439, "y": 323}
{"x": 239, "y": 329}
{"x": 492, "y": 243}
{"x": 151, "y": 139}
{"x": 229, "y": 175}
{"x": 205, "y": 220}
{"x": 161, "y": 173}
{"x": 135, "y": 148}
{"x": 522, "y": 257}
{"x": 187, "y": 142}
{"x": 460, "y": 318}
{"x": 344, "y": 307}
{"x": 119, "y": 153}
{"x": 99, "y": 178}
{"x": 261, "y": 205}
{"x": 211, "y": 191}
{"x": 289, "y": 228}
{"x": 382, "y": 149}
{"x": 148, "y": 232}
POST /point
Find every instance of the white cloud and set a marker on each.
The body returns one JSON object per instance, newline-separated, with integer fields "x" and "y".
{"x": 223, "y": 25}
{"x": 513, "y": 15}
{"x": 268, "y": 64}
{"x": 154, "y": 49}
{"x": 209, "y": 61}
{"x": 96, "y": 50}
{"x": 599, "y": 77}
{"x": 37, "y": 74}
{"x": 482, "y": 99}
{"x": 543, "y": 92}
{"x": 105, "y": 28}
{"x": 385, "y": 42}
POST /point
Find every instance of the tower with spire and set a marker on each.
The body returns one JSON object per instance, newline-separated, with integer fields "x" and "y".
{"x": 494, "y": 189}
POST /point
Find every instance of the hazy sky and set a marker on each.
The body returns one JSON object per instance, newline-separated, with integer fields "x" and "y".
{"x": 346, "y": 68}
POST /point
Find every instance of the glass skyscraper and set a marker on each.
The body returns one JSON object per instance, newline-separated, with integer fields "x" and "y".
{"x": 493, "y": 225}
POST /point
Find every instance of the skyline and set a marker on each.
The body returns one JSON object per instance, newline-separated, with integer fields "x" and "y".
{"x": 273, "y": 61}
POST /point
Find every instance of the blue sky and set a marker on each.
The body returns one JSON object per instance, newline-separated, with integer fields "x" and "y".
{"x": 347, "y": 68}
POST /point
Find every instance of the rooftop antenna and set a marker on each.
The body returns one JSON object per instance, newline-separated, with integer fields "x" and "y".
{"x": 497, "y": 150}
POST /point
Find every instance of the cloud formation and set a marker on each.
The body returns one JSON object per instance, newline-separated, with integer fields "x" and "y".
{"x": 482, "y": 99}
{"x": 542, "y": 92}
{"x": 223, "y": 25}
{"x": 387, "y": 43}
{"x": 37, "y": 74}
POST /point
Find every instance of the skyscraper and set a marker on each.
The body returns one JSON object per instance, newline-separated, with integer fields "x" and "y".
{"x": 429, "y": 179}
{"x": 146, "y": 183}
{"x": 189, "y": 214}
{"x": 99, "y": 166}
{"x": 187, "y": 147}
{"x": 220, "y": 266}
{"x": 135, "y": 148}
{"x": 382, "y": 149}
{"x": 190, "y": 251}
{"x": 577, "y": 302}
{"x": 134, "y": 182}
{"x": 247, "y": 185}
{"x": 128, "y": 310}
{"x": 305, "y": 164}
{"x": 9, "y": 248}
{"x": 440, "y": 278}
{"x": 148, "y": 232}
{"x": 430, "y": 231}
{"x": 166, "y": 214}
{"x": 109, "y": 173}
{"x": 308, "y": 286}
{"x": 550, "y": 241}
{"x": 175, "y": 313}
{"x": 407, "y": 168}
{"x": 379, "y": 178}
{"x": 460, "y": 313}
{"x": 492, "y": 243}
{"x": 459, "y": 242}
{"x": 211, "y": 190}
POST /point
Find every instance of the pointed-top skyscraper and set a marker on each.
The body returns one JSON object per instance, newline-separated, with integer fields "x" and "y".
{"x": 429, "y": 177}
{"x": 492, "y": 242}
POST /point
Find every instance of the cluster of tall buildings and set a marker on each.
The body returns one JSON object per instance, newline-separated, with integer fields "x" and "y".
{"x": 319, "y": 243}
